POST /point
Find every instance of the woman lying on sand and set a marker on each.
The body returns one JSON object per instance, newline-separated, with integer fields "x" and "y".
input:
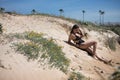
{"x": 76, "y": 35}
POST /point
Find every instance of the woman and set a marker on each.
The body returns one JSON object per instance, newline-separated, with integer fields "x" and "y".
{"x": 76, "y": 35}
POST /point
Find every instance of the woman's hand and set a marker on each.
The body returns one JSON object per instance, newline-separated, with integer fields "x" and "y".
{"x": 80, "y": 33}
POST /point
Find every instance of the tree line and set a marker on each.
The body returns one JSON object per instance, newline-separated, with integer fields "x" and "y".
{"x": 61, "y": 11}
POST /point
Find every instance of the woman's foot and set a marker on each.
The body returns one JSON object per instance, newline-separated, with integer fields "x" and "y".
{"x": 94, "y": 56}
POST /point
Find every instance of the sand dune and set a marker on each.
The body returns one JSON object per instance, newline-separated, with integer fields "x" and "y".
{"x": 15, "y": 66}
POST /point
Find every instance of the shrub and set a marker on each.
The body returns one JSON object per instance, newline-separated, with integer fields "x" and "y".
{"x": 38, "y": 44}
{"x": 115, "y": 28}
{"x": 118, "y": 39}
{"x": 76, "y": 76}
{"x": 115, "y": 75}
{"x": 111, "y": 43}
{"x": 29, "y": 49}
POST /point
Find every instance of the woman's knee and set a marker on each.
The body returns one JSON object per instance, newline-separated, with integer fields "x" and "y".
{"x": 94, "y": 42}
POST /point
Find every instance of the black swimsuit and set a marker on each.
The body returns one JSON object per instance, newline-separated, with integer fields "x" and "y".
{"x": 78, "y": 40}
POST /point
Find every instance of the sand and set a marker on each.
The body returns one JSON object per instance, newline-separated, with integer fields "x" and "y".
{"x": 15, "y": 66}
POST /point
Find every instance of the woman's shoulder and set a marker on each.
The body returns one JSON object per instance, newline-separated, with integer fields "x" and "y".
{"x": 72, "y": 35}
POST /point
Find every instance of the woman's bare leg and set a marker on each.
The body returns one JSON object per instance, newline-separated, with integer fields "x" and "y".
{"x": 90, "y": 51}
{"x": 94, "y": 48}
{"x": 96, "y": 57}
{"x": 86, "y": 45}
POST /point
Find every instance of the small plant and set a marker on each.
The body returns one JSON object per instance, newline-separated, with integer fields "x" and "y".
{"x": 29, "y": 49}
{"x": 18, "y": 36}
{"x": 111, "y": 43}
{"x": 115, "y": 75}
{"x": 1, "y": 29}
{"x": 76, "y": 76}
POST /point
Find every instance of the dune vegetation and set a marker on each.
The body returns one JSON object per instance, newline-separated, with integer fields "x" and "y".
{"x": 38, "y": 47}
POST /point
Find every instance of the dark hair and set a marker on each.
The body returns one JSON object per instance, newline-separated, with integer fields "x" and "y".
{"x": 74, "y": 27}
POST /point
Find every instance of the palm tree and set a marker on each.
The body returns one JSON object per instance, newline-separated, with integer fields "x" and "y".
{"x": 33, "y": 11}
{"x": 101, "y": 16}
{"x": 61, "y": 11}
{"x": 100, "y": 11}
{"x": 83, "y": 11}
{"x": 2, "y": 9}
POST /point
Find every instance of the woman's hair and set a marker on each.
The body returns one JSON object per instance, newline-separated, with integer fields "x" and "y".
{"x": 74, "y": 27}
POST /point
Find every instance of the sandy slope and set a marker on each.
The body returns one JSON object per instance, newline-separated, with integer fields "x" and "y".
{"x": 15, "y": 66}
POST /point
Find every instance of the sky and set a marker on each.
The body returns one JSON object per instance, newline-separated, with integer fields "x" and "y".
{"x": 72, "y": 8}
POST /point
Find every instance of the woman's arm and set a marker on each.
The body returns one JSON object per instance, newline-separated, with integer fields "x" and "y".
{"x": 80, "y": 33}
{"x": 69, "y": 39}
